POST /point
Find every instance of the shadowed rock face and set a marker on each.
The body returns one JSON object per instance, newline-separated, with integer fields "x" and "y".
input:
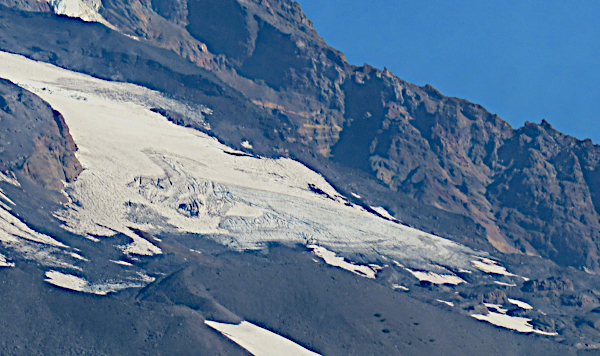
{"x": 34, "y": 139}
{"x": 440, "y": 164}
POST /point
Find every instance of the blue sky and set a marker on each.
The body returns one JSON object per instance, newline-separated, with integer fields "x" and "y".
{"x": 523, "y": 60}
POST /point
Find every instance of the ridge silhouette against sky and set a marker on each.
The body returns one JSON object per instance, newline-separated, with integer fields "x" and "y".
{"x": 523, "y": 60}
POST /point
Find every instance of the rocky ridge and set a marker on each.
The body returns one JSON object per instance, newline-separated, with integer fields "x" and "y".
{"x": 35, "y": 139}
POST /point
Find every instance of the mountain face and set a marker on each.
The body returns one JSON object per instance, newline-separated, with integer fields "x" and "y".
{"x": 529, "y": 190}
{"x": 218, "y": 157}
{"x": 35, "y": 139}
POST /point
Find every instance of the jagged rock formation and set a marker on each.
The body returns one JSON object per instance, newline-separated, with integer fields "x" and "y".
{"x": 531, "y": 190}
{"x": 34, "y": 139}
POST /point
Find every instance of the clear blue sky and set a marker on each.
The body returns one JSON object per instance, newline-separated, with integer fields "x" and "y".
{"x": 523, "y": 60}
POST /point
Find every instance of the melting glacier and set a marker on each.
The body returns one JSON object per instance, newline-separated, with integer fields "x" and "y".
{"x": 143, "y": 172}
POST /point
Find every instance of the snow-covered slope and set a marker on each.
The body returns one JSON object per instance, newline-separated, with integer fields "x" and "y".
{"x": 142, "y": 171}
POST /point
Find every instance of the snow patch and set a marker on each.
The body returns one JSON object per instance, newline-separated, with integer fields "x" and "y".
{"x": 4, "y": 262}
{"x": 356, "y": 196}
{"x": 331, "y": 259}
{"x": 496, "y": 307}
{"x": 78, "y": 257}
{"x": 74, "y": 283}
{"x": 122, "y": 263}
{"x": 259, "y": 341}
{"x": 520, "y": 304}
{"x": 10, "y": 178}
{"x": 516, "y": 323}
{"x": 12, "y": 229}
{"x": 436, "y": 278}
{"x": 247, "y": 145}
{"x": 445, "y": 302}
{"x": 401, "y": 287}
{"x": 490, "y": 266}
{"x": 505, "y": 284}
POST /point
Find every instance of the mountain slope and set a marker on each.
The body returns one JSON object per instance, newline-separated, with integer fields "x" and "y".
{"x": 161, "y": 215}
{"x": 443, "y": 152}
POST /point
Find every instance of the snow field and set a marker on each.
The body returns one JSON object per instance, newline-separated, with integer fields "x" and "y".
{"x": 259, "y": 341}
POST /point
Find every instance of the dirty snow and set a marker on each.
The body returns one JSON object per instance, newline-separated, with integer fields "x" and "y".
{"x": 259, "y": 341}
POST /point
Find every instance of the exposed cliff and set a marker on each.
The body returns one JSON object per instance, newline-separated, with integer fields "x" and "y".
{"x": 34, "y": 139}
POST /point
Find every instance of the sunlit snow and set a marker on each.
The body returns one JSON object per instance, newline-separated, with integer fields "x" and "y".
{"x": 331, "y": 259}
{"x": 490, "y": 266}
{"x": 87, "y": 10}
{"x": 259, "y": 341}
{"x": 520, "y": 304}
{"x": 445, "y": 302}
{"x": 4, "y": 262}
{"x": 516, "y": 323}
{"x": 401, "y": 287}
{"x": 435, "y": 278}
{"x": 505, "y": 284}
{"x": 247, "y": 145}
{"x": 142, "y": 171}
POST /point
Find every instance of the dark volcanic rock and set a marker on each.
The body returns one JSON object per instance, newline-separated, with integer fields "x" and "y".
{"x": 440, "y": 164}
{"x": 555, "y": 285}
{"x": 34, "y": 139}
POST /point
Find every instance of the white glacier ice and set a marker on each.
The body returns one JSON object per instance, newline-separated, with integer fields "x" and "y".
{"x": 142, "y": 171}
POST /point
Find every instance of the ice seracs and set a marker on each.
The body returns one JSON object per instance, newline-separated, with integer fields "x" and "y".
{"x": 259, "y": 341}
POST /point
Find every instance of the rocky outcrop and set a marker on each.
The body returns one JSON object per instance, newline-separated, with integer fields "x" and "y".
{"x": 34, "y": 139}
